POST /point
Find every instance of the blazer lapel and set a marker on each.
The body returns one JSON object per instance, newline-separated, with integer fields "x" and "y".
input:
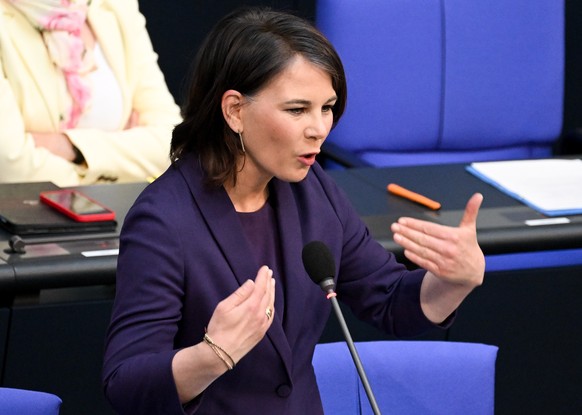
{"x": 221, "y": 218}
{"x": 28, "y": 43}
{"x": 297, "y": 284}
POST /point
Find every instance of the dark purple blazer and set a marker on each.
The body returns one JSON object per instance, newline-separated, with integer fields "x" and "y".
{"x": 183, "y": 250}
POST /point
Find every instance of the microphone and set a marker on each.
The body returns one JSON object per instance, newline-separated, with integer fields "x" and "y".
{"x": 319, "y": 264}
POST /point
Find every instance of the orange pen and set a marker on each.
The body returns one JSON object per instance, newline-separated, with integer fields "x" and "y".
{"x": 415, "y": 197}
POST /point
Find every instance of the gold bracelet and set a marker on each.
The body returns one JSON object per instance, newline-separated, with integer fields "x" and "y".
{"x": 230, "y": 364}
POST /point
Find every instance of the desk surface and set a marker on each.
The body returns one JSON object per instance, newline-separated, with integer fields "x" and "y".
{"x": 501, "y": 224}
{"x": 71, "y": 260}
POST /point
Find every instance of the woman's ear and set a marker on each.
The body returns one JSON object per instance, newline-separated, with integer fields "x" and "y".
{"x": 231, "y": 109}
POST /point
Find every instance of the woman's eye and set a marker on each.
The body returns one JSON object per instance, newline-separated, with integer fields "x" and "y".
{"x": 327, "y": 108}
{"x": 296, "y": 111}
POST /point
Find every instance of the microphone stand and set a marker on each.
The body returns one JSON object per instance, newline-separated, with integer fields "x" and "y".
{"x": 319, "y": 264}
{"x": 354, "y": 353}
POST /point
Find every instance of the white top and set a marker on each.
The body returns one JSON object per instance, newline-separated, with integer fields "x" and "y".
{"x": 105, "y": 108}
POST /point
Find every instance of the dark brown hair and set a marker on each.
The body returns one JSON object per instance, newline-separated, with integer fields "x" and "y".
{"x": 244, "y": 51}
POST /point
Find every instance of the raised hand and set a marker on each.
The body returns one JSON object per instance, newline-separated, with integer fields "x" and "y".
{"x": 240, "y": 321}
{"x": 450, "y": 253}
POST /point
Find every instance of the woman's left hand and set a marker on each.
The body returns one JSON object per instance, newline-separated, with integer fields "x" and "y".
{"x": 451, "y": 254}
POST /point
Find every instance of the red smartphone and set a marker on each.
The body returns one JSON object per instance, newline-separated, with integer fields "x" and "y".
{"x": 77, "y": 205}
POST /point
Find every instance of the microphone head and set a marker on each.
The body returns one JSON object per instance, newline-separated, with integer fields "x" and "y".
{"x": 318, "y": 261}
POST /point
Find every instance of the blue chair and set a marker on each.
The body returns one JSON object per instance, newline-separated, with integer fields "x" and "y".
{"x": 408, "y": 377}
{"x": 448, "y": 81}
{"x": 27, "y": 402}
{"x": 443, "y": 81}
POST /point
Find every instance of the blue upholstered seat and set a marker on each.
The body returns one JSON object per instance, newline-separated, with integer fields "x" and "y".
{"x": 27, "y": 402}
{"x": 408, "y": 377}
{"x": 438, "y": 81}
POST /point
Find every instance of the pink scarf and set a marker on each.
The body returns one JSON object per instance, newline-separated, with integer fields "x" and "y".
{"x": 60, "y": 22}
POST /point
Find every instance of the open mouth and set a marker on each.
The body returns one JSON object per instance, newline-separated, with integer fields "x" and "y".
{"x": 308, "y": 159}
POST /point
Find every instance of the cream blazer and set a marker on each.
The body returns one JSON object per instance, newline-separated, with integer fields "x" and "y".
{"x": 33, "y": 94}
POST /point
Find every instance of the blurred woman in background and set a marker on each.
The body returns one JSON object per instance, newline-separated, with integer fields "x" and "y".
{"x": 82, "y": 98}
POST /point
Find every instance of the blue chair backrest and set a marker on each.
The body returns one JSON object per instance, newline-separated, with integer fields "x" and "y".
{"x": 27, "y": 402}
{"x": 408, "y": 377}
{"x": 437, "y": 81}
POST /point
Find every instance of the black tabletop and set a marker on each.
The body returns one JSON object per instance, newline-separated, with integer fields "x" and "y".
{"x": 68, "y": 260}
{"x": 81, "y": 260}
{"x": 504, "y": 224}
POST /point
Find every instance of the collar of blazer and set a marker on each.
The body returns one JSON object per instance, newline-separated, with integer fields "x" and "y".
{"x": 223, "y": 222}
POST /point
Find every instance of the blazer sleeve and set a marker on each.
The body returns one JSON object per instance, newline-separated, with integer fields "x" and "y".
{"x": 147, "y": 311}
{"x": 377, "y": 288}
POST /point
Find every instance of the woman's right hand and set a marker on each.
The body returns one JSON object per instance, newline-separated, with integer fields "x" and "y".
{"x": 133, "y": 120}
{"x": 240, "y": 321}
{"x": 57, "y": 143}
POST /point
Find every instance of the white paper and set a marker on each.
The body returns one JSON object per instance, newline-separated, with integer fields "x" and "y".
{"x": 546, "y": 184}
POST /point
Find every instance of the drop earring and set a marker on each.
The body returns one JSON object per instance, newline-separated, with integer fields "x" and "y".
{"x": 242, "y": 144}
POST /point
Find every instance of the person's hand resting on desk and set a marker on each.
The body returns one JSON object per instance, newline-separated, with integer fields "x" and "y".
{"x": 452, "y": 257}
